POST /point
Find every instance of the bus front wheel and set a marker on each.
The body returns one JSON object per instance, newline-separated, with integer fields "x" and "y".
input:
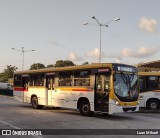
{"x": 34, "y": 102}
{"x": 153, "y": 105}
{"x": 85, "y": 109}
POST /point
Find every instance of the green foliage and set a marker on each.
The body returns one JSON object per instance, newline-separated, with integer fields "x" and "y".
{"x": 85, "y": 63}
{"x": 64, "y": 63}
{"x": 37, "y": 66}
{"x": 7, "y": 73}
{"x": 50, "y": 66}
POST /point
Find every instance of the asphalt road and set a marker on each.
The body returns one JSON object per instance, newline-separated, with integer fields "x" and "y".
{"x": 16, "y": 115}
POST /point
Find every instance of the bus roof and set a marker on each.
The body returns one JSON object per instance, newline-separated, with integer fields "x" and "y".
{"x": 149, "y": 66}
{"x": 79, "y": 67}
{"x": 149, "y": 73}
{"x": 152, "y": 64}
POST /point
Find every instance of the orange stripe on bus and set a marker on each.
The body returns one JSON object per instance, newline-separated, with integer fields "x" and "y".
{"x": 73, "y": 89}
{"x": 20, "y": 89}
{"x": 80, "y": 90}
{"x": 156, "y": 90}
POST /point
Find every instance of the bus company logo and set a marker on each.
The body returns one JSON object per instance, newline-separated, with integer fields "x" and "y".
{"x": 6, "y": 132}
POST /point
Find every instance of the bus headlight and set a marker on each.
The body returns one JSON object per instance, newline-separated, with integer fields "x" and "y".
{"x": 117, "y": 103}
{"x": 138, "y": 102}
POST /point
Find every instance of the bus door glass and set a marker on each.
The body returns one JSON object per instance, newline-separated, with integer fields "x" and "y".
{"x": 102, "y": 92}
{"x": 50, "y": 81}
{"x": 25, "y": 88}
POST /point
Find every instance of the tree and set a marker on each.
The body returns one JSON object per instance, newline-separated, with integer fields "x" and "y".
{"x": 7, "y": 73}
{"x": 37, "y": 66}
{"x": 85, "y": 63}
{"x": 50, "y": 66}
{"x": 2, "y": 77}
{"x": 64, "y": 63}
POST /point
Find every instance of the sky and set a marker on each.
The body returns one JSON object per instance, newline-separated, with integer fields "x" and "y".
{"x": 55, "y": 30}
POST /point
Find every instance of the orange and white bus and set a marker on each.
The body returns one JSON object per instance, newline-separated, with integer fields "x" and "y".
{"x": 149, "y": 90}
{"x": 102, "y": 87}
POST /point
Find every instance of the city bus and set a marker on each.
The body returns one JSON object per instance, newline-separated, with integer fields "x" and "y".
{"x": 149, "y": 90}
{"x": 100, "y": 87}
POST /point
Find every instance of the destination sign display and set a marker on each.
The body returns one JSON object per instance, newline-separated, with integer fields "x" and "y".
{"x": 124, "y": 68}
{"x": 51, "y": 73}
{"x": 101, "y": 70}
{"x": 104, "y": 70}
{"x": 25, "y": 75}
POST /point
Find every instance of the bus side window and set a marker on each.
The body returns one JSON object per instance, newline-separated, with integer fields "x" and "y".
{"x": 82, "y": 78}
{"x": 65, "y": 78}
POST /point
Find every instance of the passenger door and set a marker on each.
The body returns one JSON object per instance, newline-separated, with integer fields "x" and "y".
{"x": 102, "y": 85}
{"x": 50, "y": 82}
{"x": 25, "y": 88}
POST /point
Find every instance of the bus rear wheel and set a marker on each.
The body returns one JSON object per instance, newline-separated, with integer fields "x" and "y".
{"x": 153, "y": 105}
{"x": 34, "y": 102}
{"x": 85, "y": 109}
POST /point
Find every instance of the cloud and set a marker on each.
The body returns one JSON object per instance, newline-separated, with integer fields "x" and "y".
{"x": 148, "y": 25}
{"x": 141, "y": 52}
{"x": 126, "y": 54}
{"x": 118, "y": 60}
{"x": 74, "y": 57}
{"x": 95, "y": 54}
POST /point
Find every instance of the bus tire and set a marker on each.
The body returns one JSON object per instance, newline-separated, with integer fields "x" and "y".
{"x": 85, "y": 109}
{"x": 34, "y": 102}
{"x": 153, "y": 104}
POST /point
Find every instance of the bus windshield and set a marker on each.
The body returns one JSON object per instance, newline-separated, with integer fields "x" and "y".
{"x": 126, "y": 87}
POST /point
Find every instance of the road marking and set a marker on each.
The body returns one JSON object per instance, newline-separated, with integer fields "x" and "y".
{"x": 12, "y": 126}
{"x": 3, "y": 122}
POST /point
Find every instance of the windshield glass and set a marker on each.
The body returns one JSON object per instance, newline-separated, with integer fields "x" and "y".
{"x": 126, "y": 87}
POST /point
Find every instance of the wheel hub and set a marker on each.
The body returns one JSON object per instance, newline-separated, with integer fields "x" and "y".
{"x": 85, "y": 108}
{"x": 153, "y": 105}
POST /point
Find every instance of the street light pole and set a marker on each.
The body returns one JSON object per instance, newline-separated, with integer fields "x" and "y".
{"x": 22, "y": 58}
{"x": 23, "y": 51}
{"x": 100, "y": 45}
{"x": 100, "y": 26}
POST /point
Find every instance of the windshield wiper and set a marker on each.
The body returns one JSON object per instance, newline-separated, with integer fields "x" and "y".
{"x": 127, "y": 80}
